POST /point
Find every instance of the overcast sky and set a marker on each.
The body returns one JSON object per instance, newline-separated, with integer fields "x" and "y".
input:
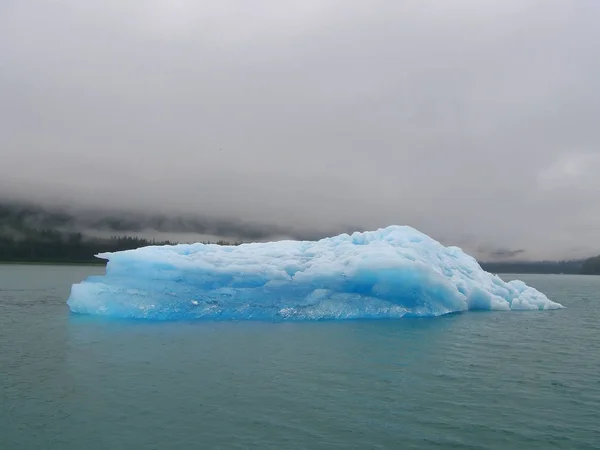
{"x": 476, "y": 121}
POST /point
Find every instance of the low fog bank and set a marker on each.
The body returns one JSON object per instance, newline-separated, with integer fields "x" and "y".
{"x": 16, "y": 217}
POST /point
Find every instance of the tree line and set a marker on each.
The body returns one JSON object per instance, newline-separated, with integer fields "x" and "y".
{"x": 591, "y": 266}
{"x": 52, "y": 246}
{"x": 572, "y": 267}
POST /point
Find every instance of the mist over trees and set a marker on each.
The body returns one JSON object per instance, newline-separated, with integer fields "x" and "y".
{"x": 591, "y": 266}
{"x": 542, "y": 267}
{"x": 54, "y": 246}
{"x": 18, "y": 215}
{"x": 33, "y": 234}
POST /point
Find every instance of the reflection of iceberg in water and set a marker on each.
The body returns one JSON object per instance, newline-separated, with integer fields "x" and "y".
{"x": 389, "y": 273}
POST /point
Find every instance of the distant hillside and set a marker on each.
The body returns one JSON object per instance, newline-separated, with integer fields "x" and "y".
{"x": 591, "y": 266}
{"x": 542, "y": 267}
{"x": 31, "y": 234}
{"x": 15, "y": 216}
{"x": 34, "y": 234}
{"x": 51, "y": 246}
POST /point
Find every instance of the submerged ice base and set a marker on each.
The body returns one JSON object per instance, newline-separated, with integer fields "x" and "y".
{"x": 389, "y": 273}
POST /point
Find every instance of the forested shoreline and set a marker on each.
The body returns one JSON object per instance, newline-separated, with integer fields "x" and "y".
{"x": 51, "y": 246}
{"x": 30, "y": 234}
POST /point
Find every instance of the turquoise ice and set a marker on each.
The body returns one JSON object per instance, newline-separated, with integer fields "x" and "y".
{"x": 393, "y": 272}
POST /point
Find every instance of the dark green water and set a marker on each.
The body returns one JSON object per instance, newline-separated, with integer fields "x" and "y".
{"x": 488, "y": 380}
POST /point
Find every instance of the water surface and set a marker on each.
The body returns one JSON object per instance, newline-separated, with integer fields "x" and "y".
{"x": 489, "y": 380}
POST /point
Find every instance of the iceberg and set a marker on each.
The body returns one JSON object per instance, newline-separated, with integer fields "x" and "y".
{"x": 393, "y": 272}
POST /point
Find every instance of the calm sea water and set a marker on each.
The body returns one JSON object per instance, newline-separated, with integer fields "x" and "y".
{"x": 486, "y": 380}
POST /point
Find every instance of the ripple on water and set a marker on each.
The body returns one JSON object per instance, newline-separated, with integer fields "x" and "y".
{"x": 474, "y": 380}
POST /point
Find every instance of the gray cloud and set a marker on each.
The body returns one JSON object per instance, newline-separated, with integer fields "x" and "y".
{"x": 472, "y": 121}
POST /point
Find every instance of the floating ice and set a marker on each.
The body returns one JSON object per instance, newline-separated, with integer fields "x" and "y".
{"x": 389, "y": 273}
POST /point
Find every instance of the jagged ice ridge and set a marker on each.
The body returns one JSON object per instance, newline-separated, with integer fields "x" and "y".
{"x": 389, "y": 273}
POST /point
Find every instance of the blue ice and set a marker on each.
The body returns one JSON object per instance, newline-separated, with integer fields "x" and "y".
{"x": 389, "y": 273}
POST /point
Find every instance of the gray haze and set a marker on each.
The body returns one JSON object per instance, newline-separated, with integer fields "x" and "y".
{"x": 476, "y": 121}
